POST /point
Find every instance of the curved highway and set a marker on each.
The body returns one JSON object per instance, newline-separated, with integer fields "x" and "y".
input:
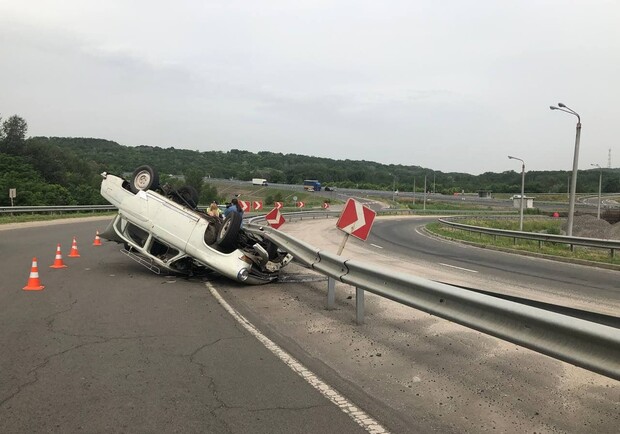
{"x": 108, "y": 346}
{"x": 564, "y": 282}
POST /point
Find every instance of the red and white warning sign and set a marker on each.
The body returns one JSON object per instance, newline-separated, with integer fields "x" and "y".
{"x": 275, "y": 219}
{"x": 325, "y": 205}
{"x": 257, "y": 205}
{"x": 245, "y": 205}
{"x": 356, "y": 219}
{"x": 279, "y": 205}
{"x": 300, "y": 204}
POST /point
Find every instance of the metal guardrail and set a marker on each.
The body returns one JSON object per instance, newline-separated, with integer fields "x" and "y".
{"x": 388, "y": 211}
{"x": 583, "y": 343}
{"x": 68, "y": 208}
{"x": 612, "y": 245}
{"x": 590, "y": 345}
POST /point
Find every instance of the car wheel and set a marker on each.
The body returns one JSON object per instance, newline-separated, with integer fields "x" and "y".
{"x": 144, "y": 178}
{"x": 189, "y": 195}
{"x": 229, "y": 231}
{"x": 213, "y": 229}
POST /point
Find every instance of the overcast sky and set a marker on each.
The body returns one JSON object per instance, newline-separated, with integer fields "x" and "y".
{"x": 447, "y": 85}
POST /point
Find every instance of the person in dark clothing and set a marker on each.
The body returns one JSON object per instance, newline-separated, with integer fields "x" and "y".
{"x": 233, "y": 207}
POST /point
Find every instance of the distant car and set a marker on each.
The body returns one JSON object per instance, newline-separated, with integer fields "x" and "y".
{"x": 330, "y": 188}
{"x": 161, "y": 228}
{"x": 516, "y": 196}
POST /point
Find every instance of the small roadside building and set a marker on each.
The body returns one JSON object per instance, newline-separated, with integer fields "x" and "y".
{"x": 528, "y": 202}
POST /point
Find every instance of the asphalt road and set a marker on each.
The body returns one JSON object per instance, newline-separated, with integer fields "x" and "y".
{"x": 572, "y": 285}
{"x": 109, "y": 347}
{"x": 439, "y": 376}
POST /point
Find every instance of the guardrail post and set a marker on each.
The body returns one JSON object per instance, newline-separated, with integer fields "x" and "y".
{"x": 359, "y": 306}
{"x": 331, "y": 293}
{"x": 613, "y": 253}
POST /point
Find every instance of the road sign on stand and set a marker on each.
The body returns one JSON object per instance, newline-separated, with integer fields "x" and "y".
{"x": 279, "y": 205}
{"x": 325, "y": 205}
{"x": 300, "y": 204}
{"x": 275, "y": 219}
{"x": 356, "y": 219}
{"x": 257, "y": 205}
{"x": 245, "y": 205}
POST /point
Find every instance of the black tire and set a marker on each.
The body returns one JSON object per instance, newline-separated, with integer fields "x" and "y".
{"x": 189, "y": 195}
{"x": 213, "y": 229}
{"x": 144, "y": 178}
{"x": 272, "y": 250}
{"x": 227, "y": 236}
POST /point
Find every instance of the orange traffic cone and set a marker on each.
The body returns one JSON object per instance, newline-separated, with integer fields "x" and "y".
{"x": 74, "y": 251}
{"x": 58, "y": 259}
{"x": 34, "y": 284}
{"x": 97, "y": 241}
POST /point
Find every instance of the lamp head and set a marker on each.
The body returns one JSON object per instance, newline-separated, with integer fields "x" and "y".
{"x": 553, "y": 107}
{"x": 561, "y": 105}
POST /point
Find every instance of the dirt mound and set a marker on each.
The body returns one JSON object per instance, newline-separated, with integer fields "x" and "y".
{"x": 614, "y": 231}
{"x": 588, "y": 226}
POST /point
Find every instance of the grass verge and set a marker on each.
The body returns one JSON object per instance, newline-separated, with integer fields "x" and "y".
{"x": 585, "y": 254}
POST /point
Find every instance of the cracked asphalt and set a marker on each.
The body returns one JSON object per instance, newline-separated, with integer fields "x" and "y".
{"x": 109, "y": 347}
{"x": 436, "y": 375}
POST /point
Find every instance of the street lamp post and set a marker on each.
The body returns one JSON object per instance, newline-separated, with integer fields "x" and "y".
{"x": 522, "y": 190}
{"x": 424, "y": 205}
{"x": 571, "y": 201}
{"x": 394, "y": 189}
{"x": 600, "y": 181}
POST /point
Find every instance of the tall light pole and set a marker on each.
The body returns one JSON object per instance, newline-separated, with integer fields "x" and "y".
{"x": 393, "y": 189}
{"x": 600, "y": 181}
{"x": 571, "y": 201}
{"x": 522, "y": 190}
{"x": 424, "y": 206}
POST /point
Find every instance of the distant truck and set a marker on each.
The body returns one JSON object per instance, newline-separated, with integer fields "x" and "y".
{"x": 312, "y": 185}
{"x": 259, "y": 181}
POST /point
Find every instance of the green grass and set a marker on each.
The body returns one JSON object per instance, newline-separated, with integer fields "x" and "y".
{"x": 547, "y": 226}
{"x": 542, "y": 225}
{"x": 447, "y": 206}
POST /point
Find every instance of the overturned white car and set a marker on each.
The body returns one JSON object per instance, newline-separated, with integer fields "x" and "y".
{"x": 161, "y": 228}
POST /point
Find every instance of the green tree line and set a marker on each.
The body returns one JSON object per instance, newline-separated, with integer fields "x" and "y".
{"x": 61, "y": 170}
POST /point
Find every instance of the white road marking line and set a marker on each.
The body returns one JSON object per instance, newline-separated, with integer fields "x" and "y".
{"x": 359, "y": 416}
{"x": 458, "y": 268}
{"x": 374, "y": 245}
